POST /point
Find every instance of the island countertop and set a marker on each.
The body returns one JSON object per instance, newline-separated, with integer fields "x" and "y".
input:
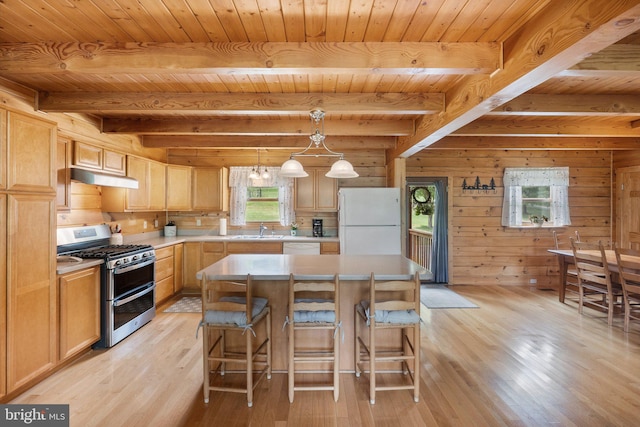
{"x": 313, "y": 267}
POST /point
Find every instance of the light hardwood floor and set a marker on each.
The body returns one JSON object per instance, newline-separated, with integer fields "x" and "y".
{"x": 521, "y": 359}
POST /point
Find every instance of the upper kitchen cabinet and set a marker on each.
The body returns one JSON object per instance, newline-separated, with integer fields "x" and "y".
{"x": 178, "y": 188}
{"x": 29, "y": 159}
{"x": 91, "y": 157}
{"x": 150, "y": 194}
{"x": 210, "y": 189}
{"x": 316, "y": 192}
{"x": 3, "y": 149}
{"x": 63, "y": 176}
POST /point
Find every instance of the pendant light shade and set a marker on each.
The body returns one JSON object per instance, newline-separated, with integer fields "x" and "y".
{"x": 340, "y": 169}
{"x": 292, "y": 169}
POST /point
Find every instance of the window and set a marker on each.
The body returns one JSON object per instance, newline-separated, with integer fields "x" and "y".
{"x": 261, "y": 200}
{"x": 262, "y": 204}
{"x": 539, "y": 192}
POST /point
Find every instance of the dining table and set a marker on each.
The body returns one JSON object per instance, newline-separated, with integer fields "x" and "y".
{"x": 566, "y": 260}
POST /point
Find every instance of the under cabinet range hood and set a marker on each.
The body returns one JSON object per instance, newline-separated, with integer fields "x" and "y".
{"x": 102, "y": 179}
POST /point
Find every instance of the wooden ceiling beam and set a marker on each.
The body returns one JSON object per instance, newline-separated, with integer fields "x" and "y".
{"x": 487, "y": 127}
{"x": 261, "y": 128}
{"x": 534, "y": 143}
{"x": 617, "y": 60}
{"x": 570, "y": 105}
{"x": 242, "y": 103}
{"x": 251, "y": 58}
{"x": 281, "y": 142}
{"x": 556, "y": 39}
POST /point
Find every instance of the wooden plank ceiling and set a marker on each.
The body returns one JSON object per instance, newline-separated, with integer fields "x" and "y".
{"x": 406, "y": 75}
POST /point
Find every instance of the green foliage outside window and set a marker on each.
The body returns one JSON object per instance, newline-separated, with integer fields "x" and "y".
{"x": 262, "y": 204}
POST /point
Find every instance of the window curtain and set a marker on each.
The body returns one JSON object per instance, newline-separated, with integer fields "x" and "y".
{"x": 555, "y": 178}
{"x": 239, "y": 181}
{"x": 440, "y": 255}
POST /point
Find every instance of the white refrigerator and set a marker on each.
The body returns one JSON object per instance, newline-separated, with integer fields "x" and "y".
{"x": 369, "y": 221}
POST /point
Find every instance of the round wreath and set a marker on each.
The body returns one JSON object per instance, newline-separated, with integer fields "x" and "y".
{"x": 422, "y": 194}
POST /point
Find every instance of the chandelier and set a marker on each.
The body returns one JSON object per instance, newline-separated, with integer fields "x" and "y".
{"x": 340, "y": 169}
{"x": 255, "y": 172}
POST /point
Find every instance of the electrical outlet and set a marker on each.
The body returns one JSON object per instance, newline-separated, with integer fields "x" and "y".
{"x": 155, "y": 223}
{"x": 533, "y": 281}
{"x": 198, "y": 222}
{"x": 144, "y": 225}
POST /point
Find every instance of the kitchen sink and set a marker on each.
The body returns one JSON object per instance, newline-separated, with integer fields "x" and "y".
{"x": 256, "y": 236}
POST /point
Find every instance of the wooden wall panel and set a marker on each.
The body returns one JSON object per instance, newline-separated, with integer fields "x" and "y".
{"x": 482, "y": 251}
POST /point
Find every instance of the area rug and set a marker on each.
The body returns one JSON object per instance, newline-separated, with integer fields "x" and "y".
{"x": 185, "y": 305}
{"x": 439, "y": 296}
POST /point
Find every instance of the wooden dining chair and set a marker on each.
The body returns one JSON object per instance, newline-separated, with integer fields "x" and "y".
{"x": 570, "y": 284}
{"x": 313, "y": 322}
{"x": 629, "y": 273}
{"x": 595, "y": 285}
{"x": 391, "y": 305}
{"x": 236, "y": 336}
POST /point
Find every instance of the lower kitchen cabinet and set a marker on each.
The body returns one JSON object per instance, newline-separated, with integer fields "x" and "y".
{"x": 330, "y": 248}
{"x": 198, "y": 255}
{"x": 79, "y": 294}
{"x": 3, "y": 293}
{"x": 164, "y": 273}
{"x": 177, "y": 268}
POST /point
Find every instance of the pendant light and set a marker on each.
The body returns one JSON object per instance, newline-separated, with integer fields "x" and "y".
{"x": 340, "y": 169}
{"x": 255, "y": 172}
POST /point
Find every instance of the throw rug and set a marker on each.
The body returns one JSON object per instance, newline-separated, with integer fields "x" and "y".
{"x": 439, "y": 296}
{"x": 185, "y": 305}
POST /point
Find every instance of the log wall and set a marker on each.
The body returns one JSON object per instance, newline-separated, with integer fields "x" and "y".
{"x": 482, "y": 251}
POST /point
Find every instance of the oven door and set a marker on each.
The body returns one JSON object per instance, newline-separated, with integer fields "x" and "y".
{"x": 122, "y": 281}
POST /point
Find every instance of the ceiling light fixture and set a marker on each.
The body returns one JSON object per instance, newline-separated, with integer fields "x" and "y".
{"x": 255, "y": 172}
{"x": 340, "y": 169}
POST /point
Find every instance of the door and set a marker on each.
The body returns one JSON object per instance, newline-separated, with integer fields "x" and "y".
{"x": 427, "y": 224}
{"x": 629, "y": 203}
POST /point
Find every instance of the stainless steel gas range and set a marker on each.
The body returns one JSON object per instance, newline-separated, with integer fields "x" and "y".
{"x": 127, "y": 279}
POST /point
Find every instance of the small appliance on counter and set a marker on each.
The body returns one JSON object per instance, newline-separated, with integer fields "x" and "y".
{"x": 317, "y": 227}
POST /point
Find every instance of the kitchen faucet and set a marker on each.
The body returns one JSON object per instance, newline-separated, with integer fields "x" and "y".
{"x": 262, "y": 228}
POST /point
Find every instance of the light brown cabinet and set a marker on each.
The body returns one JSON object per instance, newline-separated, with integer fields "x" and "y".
{"x": 63, "y": 174}
{"x": 177, "y": 268}
{"x": 91, "y": 157}
{"x": 330, "y": 248}
{"x": 150, "y": 194}
{"x": 164, "y": 273}
{"x": 210, "y": 189}
{"x": 79, "y": 295}
{"x": 3, "y": 296}
{"x": 178, "y": 188}
{"x": 192, "y": 263}
{"x": 31, "y": 147}
{"x": 28, "y": 326}
{"x": 316, "y": 192}
{"x": 31, "y": 287}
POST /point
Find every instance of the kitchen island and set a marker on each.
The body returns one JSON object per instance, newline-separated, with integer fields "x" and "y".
{"x": 271, "y": 278}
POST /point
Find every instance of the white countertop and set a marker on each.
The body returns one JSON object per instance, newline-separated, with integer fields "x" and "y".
{"x": 161, "y": 241}
{"x": 313, "y": 267}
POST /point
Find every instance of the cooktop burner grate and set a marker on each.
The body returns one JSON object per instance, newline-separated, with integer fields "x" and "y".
{"x": 111, "y": 251}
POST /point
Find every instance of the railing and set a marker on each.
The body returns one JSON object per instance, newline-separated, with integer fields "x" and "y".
{"x": 420, "y": 247}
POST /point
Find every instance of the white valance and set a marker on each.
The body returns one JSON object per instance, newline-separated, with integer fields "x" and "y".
{"x": 536, "y": 177}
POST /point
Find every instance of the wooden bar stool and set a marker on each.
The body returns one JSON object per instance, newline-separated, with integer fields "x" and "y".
{"x": 232, "y": 321}
{"x": 391, "y": 305}
{"x": 313, "y": 306}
